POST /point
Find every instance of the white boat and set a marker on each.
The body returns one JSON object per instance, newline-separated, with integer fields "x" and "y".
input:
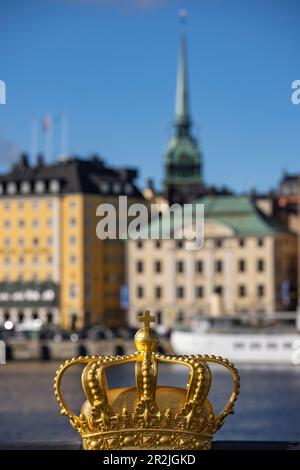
{"x": 242, "y": 344}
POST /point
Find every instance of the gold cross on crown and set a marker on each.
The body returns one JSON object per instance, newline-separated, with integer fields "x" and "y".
{"x": 147, "y": 318}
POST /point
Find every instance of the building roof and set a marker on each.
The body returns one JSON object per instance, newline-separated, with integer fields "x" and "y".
{"x": 237, "y": 212}
{"x": 73, "y": 175}
{"x": 241, "y": 214}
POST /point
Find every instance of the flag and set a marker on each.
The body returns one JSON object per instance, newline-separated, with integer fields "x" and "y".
{"x": 47, "y": 122}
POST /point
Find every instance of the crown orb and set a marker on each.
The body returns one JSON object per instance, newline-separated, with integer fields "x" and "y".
{"x": 146, "y": 341}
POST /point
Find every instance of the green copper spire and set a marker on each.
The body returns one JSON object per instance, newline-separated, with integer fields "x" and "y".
{"x": 182, "y": 118}
{"x": 183, "y": 179}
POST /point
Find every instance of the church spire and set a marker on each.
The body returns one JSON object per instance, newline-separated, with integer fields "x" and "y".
{"x": 183, "y": 179}
{"x": 182, "y": 117}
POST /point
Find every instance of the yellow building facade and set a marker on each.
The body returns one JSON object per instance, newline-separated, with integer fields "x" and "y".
{"x": 53, "y": 268}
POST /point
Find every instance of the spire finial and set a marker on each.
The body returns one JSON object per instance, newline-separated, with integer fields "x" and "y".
{"x": 182, "y": 120}
{"x": 183, "y": 15}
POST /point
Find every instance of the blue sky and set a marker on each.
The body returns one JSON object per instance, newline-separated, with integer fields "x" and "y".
{"x": 111, "y": 65}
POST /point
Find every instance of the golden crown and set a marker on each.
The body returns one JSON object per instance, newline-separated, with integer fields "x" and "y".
{"x": 147, "y": 416}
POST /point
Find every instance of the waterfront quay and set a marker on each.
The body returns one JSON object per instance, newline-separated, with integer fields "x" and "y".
{"x": 267, "y": 409}
{"x": 45, "y": 350}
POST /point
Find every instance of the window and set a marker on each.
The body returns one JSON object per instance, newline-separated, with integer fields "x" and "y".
{"x": 49, "y": 241}
{"x": 21, "y": 242}
{"x": 158, "y": 318}
{"x": 39, "y": 187}
{"x": 242, "y": 290}
{"x": 72, "y": 204}
{"x": 157, "y": 267}
{"x": 21, "y": 259}
{"x": 11, "y": 188}
{"x": 7, "y": 223}
{"x": 199, "y": 292}
{"x": 34, "y": 315}
{"x": 72, "y": 221}
{"x": 49, "y": 203}
{"x": 72, "y": 259}
{"x": 180, "y": 317}
{"x": 73, "y": 291}
{"x": 180, "y": 292}
{"x": 260, "y": 290}
{"x": 218, "y": 243}
{"x": 35, "y": 203}
{"x": 21, "y": 205}
{"x": 157, "y": 244}
{"x": 49, "y": 223}
{"x": 140, "y": 292}
{"x": 239, "y": 345}
{"x": 241, "y": 242}
{"x": 218, "y": 266}
{"x": 104, "y": 187}
{"x": 7, "y": 206}
{"x": 35, "y": 259}
{"x": 242, "y": 265}
{"x": 117, "y": 188}
{"x": 128, "y": 188}
{"x": 20, "y": 317}
{"x": 139, "y": 244}
{"x": 260, "y": 242}
{"x": 179, "y": 244}
{"x": 49, "y": 317}
{"x": 255, "y": 345}
{"x": 199, "y": 266}
{"x": 6, "y": 315}
{"x": 139, "y": 266}
{"x": 7, "y": 242}
{"x": 260, "y": 265}
{"x": 21, "y": 223}
{"x": 25, "y": 187}
{"x": 7, "y": 260}
{"x": 158, "y": 291}
{"x": 35, "y": 223}
{"x": 54, "y": 186}
{"x": 35, "y": 241}
{"x": 180, "y": 266}
{"x": 219, "y": 290}
{"x": 72, "y": 240}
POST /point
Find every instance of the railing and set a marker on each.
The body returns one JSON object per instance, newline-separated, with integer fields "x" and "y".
{"x": 217, "y": 445}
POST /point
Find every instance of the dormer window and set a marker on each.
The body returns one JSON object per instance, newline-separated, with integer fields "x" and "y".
{"x": 54, "y": 186}
{"x": 25, "y": 187}
{"x": 128, "y": 188}
{"x": 11, "y": 188}
{"x": 104, "y": 187}
{"x": 117, "y": 188}
{"x": 39, "y": 187}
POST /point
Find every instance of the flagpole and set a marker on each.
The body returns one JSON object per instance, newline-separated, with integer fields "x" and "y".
{"x": 33, "y": 137}
{"x": 64, "y": 136}
{"x": 47, "y": 127}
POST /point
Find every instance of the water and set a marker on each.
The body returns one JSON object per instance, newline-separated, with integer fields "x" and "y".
{"x": 268, "y": 407}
